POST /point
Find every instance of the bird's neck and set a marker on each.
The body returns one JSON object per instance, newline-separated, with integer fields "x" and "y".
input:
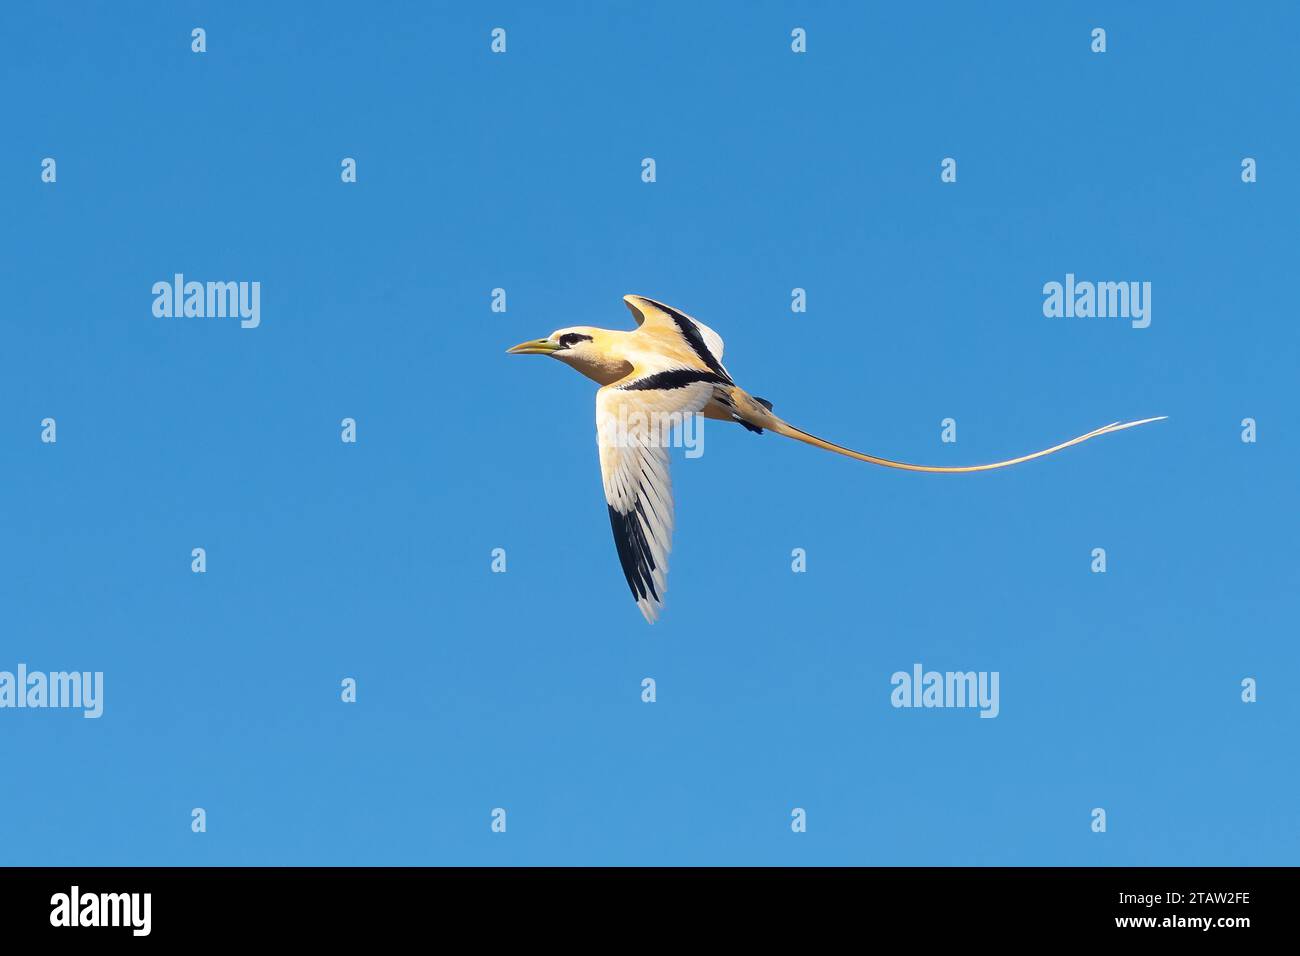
{"x": 606, "y": 363}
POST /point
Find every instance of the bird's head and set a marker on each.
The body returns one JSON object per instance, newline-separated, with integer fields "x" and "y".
{"x": 575, "y": 341}
{"x": 596, "y": 353}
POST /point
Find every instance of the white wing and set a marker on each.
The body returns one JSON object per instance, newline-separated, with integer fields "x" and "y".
{"x": 634, "y": 424}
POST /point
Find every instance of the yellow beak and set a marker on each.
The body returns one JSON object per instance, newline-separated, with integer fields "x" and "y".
{"x": 534, "y": 347}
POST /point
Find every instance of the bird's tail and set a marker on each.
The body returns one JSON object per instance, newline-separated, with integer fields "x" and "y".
{"x": 757, "y": 413}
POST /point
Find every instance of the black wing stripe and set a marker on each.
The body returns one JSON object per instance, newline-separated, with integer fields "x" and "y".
{"x": 674, "y": 378}
{"x": 696, "y": 341}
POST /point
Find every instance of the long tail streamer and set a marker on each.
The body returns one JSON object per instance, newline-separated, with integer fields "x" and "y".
{"x": 785, "y": 428}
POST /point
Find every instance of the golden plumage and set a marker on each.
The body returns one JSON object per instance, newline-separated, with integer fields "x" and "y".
{"x": 671, "y": 366}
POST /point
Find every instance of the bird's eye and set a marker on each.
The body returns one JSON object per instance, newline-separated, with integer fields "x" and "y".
{"x": 569, "y": 339}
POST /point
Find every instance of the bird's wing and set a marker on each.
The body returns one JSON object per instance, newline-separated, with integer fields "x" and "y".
{"x": 634, "y": 424}
{"x": 705, "y": 344}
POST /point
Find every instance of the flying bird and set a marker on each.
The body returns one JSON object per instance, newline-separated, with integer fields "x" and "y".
{"x": 671, "y": 366}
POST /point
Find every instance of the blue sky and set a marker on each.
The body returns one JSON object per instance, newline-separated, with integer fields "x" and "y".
{"x": 522, "y": 690}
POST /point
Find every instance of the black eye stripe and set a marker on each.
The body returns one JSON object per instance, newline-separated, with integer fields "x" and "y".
{"x": 570, "y": 339}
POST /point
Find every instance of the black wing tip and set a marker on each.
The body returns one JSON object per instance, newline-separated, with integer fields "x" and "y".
{"x": 634, "y": 553}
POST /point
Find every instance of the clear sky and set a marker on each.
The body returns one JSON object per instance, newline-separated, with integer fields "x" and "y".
{"x": 775, "y": 170}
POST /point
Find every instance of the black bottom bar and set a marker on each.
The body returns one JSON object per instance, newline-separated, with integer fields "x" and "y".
{"x": 331, "y": 904}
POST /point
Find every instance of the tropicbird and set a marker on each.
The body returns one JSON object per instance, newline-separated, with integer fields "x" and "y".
{"x": 671, "y": 366}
